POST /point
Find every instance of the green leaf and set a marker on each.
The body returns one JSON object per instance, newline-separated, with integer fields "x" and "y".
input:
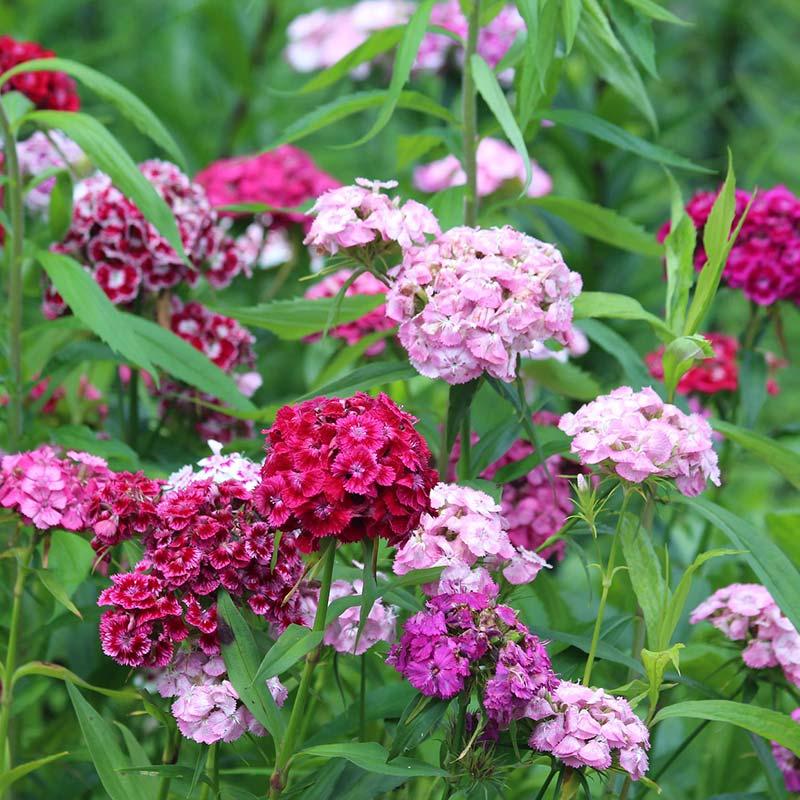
{"x": 90, "y": 305}
{"x": 70, "y": 559}
{"x": 550, "y": 441}
{"x": 600, "y": 223}
{"x": 612, "y": 134}
{"x": 241, "y": 657}
{"x": 607, "y": 305}
{"x": 448, "y": 206}
{"x": 655, "y": 665}
{"x": 45, "y": 669}
{"x": 494, "y": 444}
{"x": 292, "y": 645}
{"x": 117, "y": 453}
{"x": 60, "y": 214}
{"x": 605, "y": 651}
{"x": 413, "y": 33}
{"x": 370, "y": 756}
{"x": 776, "y": 455}
{"x": 489, "y": 89}
{"x": 21, "y": 770}
{"x": 419, "y": 718}
{"x": 637, "y": 31}
{"x": 541, "y": 18}
{"x": 679, "y": 247}
{"x": 366, "y": 377}
{"x": 753, "y": 377}
{"x": 128, "y": 104}
{"x": 110, "y": 157}
{"x": 106, "y": 753}
{"x": 784, "y": 529}
{"x": 16, "y": 105}
{"x": 570, "y": 19}
{"x": 679, "y": 357}
{"x": 459, "y": 400}
{"x": 563, "y": 378}
{"x": 768, "y": 561}
{"x": 772, "y": 725}
{"x": 59, "y": 593}
{"x": 656, "y": 11}
{"x": 644, "y": 570}
{"x": 636, "y": 374}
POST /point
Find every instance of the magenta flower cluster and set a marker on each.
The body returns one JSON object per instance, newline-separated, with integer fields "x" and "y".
{"x": 788, "y": 763}
{"x": 746, "y": 612}
{"x": 637, "y": 436}
{"x": 582, "y": 726}
{"x": 476, "y": 299}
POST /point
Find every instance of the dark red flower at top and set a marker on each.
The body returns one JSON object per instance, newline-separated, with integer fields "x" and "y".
{"x": 285, "y": 177}
{"x": 349, "y": 468}
{"x": 50, "y": 90}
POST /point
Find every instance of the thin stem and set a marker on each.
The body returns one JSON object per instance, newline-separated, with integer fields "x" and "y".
{"x": 444, "y": 450}
{"x": 299, "y": 707}
{"x": 569, "y": 786}
{"x": 362, "y": 700}
{"x": 168, "y": 756}
{"x": 546, "y": 784}
{"x": 212, "y": 773}
{"x": 469, "y": 101}
{"x": 465, "y": 462}
{"x": 133, "y": 408}
{"x": 13, "y": 251}
{"x": 684, "y": 744}
{"x": 23, "y": 567}
{"x": 608, "y": 578}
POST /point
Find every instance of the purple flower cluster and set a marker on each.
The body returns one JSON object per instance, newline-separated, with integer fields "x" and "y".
{"x": 476, "y": 299}
{"x": 788, "y": 763}
{"x": 638, "y": 436}
{"x": 746, "y": 612}
{"x": 589, "y": 727}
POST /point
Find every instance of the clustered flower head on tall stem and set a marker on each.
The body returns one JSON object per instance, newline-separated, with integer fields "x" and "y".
{"x": 351, "y": 469}
{"x": 746, "y": 612}
{"x": 586, "y": 727}
{"x": 788, "y": 763}
{"x": 475, "y": 300}
{"x": 637, "y": 436}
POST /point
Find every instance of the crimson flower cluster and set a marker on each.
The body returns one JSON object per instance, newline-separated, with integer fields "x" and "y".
{"x": 47, "y": 90}
{"x": 206, "y": 536}
{"x": 349, "y": 468}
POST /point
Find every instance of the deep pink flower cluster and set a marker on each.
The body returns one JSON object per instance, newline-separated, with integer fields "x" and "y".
{"x": 465, "y": 527}
{"x": 476, "y": 299}
{"x": 49, "y": 489}
{"x": 46, "y": 90}
{"x": 746, "y": 612}
{"x": 788, "y": 763}
{"x": 464, "y": 638}
{"x": 207, "y": 537}
{"x": 765, "y": 260}
{"x": 126, "y": 254}
{"x": 497, "y": 163}
{"x": 638, "y": 436}
{"x": 357, "y": 216}
{"x": 713, "y": 375}
{"x": 372, "y": 322}
{"x": 283, "y": 178}
{"x": 207, "y": 708}
{"x": 589, "y": 727}
{"x": 349, "y": 468}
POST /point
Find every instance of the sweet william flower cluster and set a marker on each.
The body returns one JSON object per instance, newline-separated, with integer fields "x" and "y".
{"x": 788, "y": 763}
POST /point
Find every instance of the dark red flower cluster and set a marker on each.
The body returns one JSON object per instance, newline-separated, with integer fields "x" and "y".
{"x": 48, "y": 90}
{"x": 126, "y": 254}
{"x": 712, "y": 375}
{"x": 205, "y": 536}
{"x": 349, "y": 468}
{"x": 283, "y": 178}
{"x": 765, "y": 260}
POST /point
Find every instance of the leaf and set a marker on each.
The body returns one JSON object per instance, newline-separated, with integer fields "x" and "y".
{"x": 59, "y": 593}
{"x": 21, "y": 770}
{"x": 298, "y": 318}
{"x": 541, "y": 19}
{"x": 292, "y": 645}
{"x": 60, "y": 213}
{"x": 679, "y": 357}
{"x": 45, "y": 669}
{"x": 240, "y": 654}
{"x": 612, "y": 134}
{"x": 550, "y": 441}
{"x": 644, "y": 570}
{"x": 126, "y": 102}
{"x": 413, "y": 33}
{"x": 784, "y": 529}
{"x": 772, "y": 725}
{"x": 90, "y": 305}
{"x": 768, "y": 561}
{"x": 459, "y": 400}
{"x": 79, "y": 437}
{"x": 655, "y": 665}
{"x": 106, "y": 753}
{"x": 636, "y": 374}
{"x": 776, "y": 455}
{"x": 494, "y": 444}
{"x": 563, "y": 378}
{"x": 419, "y": 718}
{"x": 494, "y": 97}
{"x": 600, "y": 223}
{"x": 656, "y": 11}
{"x": 70, "y": 559}
{"x": 605, "y": 651}
{"x": 591, "y": 305}
{"x": 570, "y": 19}
{"x": 448, "y": 206}
{"x": 40, "y": 342}
{"x": 679, "y": 247}
{"x": 370, "y": 756}
{"x": 637, "y": 31}
{"x": 16, "y": 105}
{"x": 753, "y": 377}
{"x": 110, "y": 157}
{"x": 365, "y": 377}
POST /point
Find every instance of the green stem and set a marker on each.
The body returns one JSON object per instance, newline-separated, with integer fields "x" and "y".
{"x": 133, "y": 408}
{"x": 299, "y": 707}
{"x": 168, "y": 756}
{"x": 569, "y": 786}
{"x": 608, "y": 578}
{"x": 465, "y": 462}
{"x": 13, "y": 251}
{"x": 362, "y": 700}
{"x": 469, "y": 101}
{"x": 212, "y": 773}
{"x": 23, "y": 567}
{"x": 444, "y": 450}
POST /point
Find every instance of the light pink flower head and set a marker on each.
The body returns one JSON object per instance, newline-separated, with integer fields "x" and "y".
{"x": 39, "y": 153}
{"x": 218, "y": 467}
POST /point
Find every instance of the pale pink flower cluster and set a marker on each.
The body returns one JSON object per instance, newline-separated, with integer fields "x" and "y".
{"x": 788, "y": 763}
{"x": 41, "y": 152}
{"x": 497, "y": 163}
{"x": 207, "y": 707}
{"x": 746, "y": 612}
{"x": 638, "y": 436}
{"x": 355, "y": 216}
{"x": 475, "y": 299}
{"x": 219, "y": 468}
{"x": 342, "y": 634}
{"x": 589, "y": 727}
{"x": 466, "y": 527}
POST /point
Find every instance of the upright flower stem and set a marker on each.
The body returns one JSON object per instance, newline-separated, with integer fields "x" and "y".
{"x": 570, "y": 784}
{"x": 469, "y": 101}
{"x": 362, "y": 699}
{"x": 168, "y": 756}
{"x": 133, "y": 408}
{"x": 608, "y": 578}
{"x": 465, "y": 462}
{"x": 300, "y": 706}
{"x": 212, "y": 773}
{"x": 13, "y": 253}
{"x": 23, "y": 567}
